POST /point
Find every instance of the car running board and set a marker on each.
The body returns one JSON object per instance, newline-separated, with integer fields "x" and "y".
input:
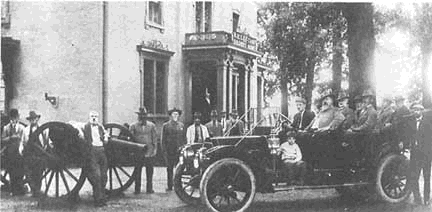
{"x": 284, "y": 187}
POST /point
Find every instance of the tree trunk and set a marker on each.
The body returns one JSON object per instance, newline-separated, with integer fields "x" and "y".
{"x": 337, "y": 60}
{"x": 284, "y": 95}
{"x": 426, "y": 52}
{"x": 309, "y": 84}
{"x": 361, "y": 46}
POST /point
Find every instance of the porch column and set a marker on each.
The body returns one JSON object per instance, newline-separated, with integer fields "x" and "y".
{"x": 245, "y": 103}
{"x": 222, "y": 70}
{"x": 229, "y": 87}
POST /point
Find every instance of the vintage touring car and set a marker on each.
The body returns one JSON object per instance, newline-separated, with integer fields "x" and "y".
{"x": 226, "y": 172}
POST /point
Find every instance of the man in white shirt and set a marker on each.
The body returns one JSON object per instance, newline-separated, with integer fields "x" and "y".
{"x": 197, "y": 133}
{"x": 97, "y": 164}
{"x": 291, "y": 156}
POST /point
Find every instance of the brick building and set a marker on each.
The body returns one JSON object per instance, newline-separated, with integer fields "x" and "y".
{"x": 63, "y": 59}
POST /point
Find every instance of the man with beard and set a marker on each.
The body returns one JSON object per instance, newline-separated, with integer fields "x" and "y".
{"x": 329, "y": 117}
{"x": 304, "y": 117}
{"x": 421, "y": 153}
{"x": 172, "y": 139}
{"x": 197, "y": 133}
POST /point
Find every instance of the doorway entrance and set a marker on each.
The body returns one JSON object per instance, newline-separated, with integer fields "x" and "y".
{"x": 204, "y": 80}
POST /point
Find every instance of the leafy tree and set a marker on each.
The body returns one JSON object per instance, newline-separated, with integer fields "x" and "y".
{"x": 297, "y": 33}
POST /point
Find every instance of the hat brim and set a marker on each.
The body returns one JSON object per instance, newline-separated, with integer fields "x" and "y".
{"x": 33, "y": 117}
{"x": 172, "y": 111}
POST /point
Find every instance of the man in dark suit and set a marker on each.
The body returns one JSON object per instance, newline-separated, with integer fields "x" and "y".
{"x": 173, "y": 137}
{"x": 304, "y": 117}
{"x": 421, "y": 153}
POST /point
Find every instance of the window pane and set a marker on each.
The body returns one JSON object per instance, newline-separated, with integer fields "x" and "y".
{"x": 155, "y": 12}
{"x": 160, "y": 88}
{"x": 236, "y": 18}
{"x": 208, "y": 15}
{"x": 149, "y": 85}
{"x": 198, "y": 15}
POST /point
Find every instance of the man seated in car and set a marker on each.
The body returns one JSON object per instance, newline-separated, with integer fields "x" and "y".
{"x": 368, "y": 116}
{"x": 329, "y": 117}
{"x": 291, "y": 156}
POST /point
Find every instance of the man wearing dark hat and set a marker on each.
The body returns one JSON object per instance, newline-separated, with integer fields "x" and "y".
{"x": 213, "y": 126}
{"x": 329, "y": 117}
{"x": 11, "y": 138}
{"x": 34, "y": 163}
{"x": 235, "y": 126}
{"x": 96, "y": 137}
{"x": 421, "y": 153}
{"x": 173, "y": 137}
{"x": 368, "y": 117}
{"x": 304, "y": 117}
{"x": 197, "y": 133}
{"x": 385, "y": 114}
{"x": 144, "y": 132}
{"x": 346, "y": 111}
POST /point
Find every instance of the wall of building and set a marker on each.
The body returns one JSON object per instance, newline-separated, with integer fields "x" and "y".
{"x": 126, "y": 30}
{"x": 60, "y": 53}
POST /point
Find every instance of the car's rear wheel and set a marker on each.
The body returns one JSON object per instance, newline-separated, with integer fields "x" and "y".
{"x": 186, "y": 185}
{"x": 391, "y": 178}
{"x": 228, "y": 185}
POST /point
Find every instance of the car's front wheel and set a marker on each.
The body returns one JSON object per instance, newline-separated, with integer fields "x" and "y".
{"x": 392, "y": 178}
{"x": 228, "y": 185}
{"x": 186, "y": 185}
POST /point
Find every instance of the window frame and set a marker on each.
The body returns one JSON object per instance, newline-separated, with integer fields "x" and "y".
{"x": 151, "y": 23}
{"x": 5, "y": 14}
{"x": 165, "y": 61}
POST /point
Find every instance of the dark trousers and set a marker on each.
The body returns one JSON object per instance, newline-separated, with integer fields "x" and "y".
{"x": 171, "y": 162}
{"x": 15, "y": 168}
{"x": 149, "y": 164}
{"x": 295, "y": 170}
{"x": 420, "y": 161}
{"x": 97, "y": 168}
{"x": 34, "y": 173}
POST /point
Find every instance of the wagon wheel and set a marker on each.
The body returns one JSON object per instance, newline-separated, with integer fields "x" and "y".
{"x": 120, "y": 177}
{"x": 55, "y": 153}
{"x": 186, "y": 185}
{"x": 228, "y": 185}
{"x": 391, "y": 178}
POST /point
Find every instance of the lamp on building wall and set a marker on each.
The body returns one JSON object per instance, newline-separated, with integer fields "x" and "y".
{"x": 52, "y": 99}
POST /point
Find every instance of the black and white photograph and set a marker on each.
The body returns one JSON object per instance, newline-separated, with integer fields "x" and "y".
{"x": 222, "y": 106}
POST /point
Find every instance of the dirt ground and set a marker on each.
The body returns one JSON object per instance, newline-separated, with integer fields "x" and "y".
{"x": 326, "y": 200}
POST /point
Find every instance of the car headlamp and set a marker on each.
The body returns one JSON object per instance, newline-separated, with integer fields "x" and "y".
{"x": 188, "y": 153}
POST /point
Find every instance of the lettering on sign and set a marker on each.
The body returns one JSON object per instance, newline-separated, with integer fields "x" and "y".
{"x": 155, "y": 44}
{"x": 197, "y": 37}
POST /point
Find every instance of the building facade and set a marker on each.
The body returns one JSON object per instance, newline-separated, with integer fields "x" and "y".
{"x": 64, "y": 59}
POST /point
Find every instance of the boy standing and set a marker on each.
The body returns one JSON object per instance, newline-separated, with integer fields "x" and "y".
{"x": 292, "y": 158}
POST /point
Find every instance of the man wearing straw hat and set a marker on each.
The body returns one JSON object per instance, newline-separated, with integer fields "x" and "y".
{"x": 144, "y": 132}
{"x": 34, "y": 164}
{"x": 173, "y": 137}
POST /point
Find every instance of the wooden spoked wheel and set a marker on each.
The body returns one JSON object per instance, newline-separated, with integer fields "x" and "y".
{"x": 55, "y": 154}
{"x": 121, "y": 160}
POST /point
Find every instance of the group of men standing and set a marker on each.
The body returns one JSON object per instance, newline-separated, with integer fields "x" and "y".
{"x": 365, "y": 119}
